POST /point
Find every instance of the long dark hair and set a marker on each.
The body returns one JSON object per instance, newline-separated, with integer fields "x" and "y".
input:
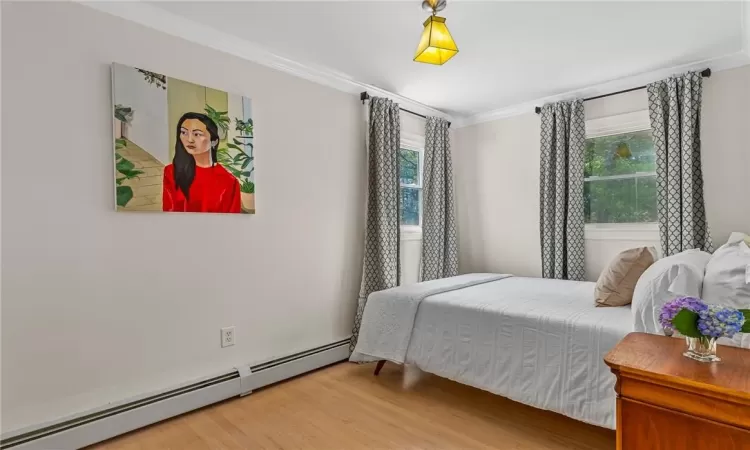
{"x": 184, "y": 162}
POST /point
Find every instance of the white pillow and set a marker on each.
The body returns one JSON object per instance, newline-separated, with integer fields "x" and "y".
{"x": 726, "y": 282}
{"x": 674, "y": 276}
{"x": 737, "y": 236}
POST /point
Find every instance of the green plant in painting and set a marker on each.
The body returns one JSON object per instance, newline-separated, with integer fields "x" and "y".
{"x": 154, "y": 78}
{"x": 126, "y": 171}
{"x": 123, "y": 166}
{"x": 220, "y": 118}
{"x": 245, "y": 127}
{"x": 237, "y": 162}
{"x": 124, "y": 113}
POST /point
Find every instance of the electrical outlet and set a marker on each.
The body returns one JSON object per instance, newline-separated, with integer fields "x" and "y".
{"x": 227, "y": 337}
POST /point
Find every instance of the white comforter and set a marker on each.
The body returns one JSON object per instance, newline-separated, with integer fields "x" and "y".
{"x": 540, "y": 342}
{"x": 388, "y": 318}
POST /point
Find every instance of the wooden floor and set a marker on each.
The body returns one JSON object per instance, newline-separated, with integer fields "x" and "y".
{"x": 345, "y": 407}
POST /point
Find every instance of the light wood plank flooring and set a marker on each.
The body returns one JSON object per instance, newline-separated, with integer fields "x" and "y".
{"x": 345, "y": 407}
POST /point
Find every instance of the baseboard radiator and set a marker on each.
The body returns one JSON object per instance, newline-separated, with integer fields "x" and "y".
{"x": 104, "y": 424}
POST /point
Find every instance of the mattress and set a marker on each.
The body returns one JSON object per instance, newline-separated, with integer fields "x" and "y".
{"x": 537, "y": 341}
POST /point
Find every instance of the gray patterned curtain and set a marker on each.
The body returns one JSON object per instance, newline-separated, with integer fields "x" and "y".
{"x": 563, "y": 138}
{"x": 380, "y": 268}
{"x": 674, "y": 106}
{"x": 439, "y": 243}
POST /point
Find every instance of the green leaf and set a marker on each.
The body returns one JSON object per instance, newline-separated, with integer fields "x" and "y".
{"x": 222, "y": 113}
{"x": 246, "y": 174}
{"x": 686, "y": 322}
{"x": 131, "y": 173}
{"x": 234, "y": 146}
{"x": 124, "y": 194}
{"x": 247, "y": 187}
{"x": 746, "y": 326}
{"x": 120, "y": 180}
{"x": 245, "y": 164}
{"x": 124, "y": 165}
{"x": 210, "y": 109}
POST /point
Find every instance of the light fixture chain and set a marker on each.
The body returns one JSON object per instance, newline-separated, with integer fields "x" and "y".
{"x": 433, "y": 5}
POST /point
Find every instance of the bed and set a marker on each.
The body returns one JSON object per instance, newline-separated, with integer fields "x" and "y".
{"x": 536, "y": 341}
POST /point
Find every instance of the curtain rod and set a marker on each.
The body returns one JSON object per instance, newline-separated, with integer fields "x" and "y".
{"x": 365, "y": 96}
{"x": 705, "y": 74}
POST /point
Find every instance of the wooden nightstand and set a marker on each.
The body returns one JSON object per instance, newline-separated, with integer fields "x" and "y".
{"x": 666, "y": 401}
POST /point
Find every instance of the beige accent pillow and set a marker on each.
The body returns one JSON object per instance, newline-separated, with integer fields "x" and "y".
{"x": 617, "y": 281}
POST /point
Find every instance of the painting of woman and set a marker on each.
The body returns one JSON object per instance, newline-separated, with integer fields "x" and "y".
{"x": 195, "y": 181}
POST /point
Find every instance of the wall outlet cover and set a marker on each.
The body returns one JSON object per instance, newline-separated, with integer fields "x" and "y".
{"x": 227, "y": 337}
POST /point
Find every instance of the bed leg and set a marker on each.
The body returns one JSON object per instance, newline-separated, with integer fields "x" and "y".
{"x": 380, "y": 365}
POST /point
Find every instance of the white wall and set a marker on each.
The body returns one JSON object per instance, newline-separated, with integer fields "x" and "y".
{"x": 496, "y": 170}
{"x": 726, "y": 152}
{"x": 98, "y": 306}
{"x": 497, "y": 179}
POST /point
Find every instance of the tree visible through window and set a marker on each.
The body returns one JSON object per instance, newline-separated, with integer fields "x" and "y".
{"x": 620, "y": 178}
{"x": 411, "y": 186}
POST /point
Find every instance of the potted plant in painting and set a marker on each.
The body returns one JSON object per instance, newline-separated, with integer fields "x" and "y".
{"x": 124, "y": 115}
{"x": 237, "y": 157}
{"x": 125, "y": 168}
{"x": 125, "y": 171}
{"x": 221, "y": 120}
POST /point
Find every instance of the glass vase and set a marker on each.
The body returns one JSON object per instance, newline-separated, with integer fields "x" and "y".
{"x": 702, "y": 349}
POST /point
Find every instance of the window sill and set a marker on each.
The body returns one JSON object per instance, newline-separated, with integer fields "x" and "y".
{"x": 411, "y": 233}
{"x": 621, "y": 231}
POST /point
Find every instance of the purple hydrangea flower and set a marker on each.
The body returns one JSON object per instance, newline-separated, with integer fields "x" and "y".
{"x": 719, "y": 321}
{"x": 672, "y": 307}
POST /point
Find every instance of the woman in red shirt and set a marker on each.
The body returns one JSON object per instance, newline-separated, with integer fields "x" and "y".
{"x": 195, "y": 182}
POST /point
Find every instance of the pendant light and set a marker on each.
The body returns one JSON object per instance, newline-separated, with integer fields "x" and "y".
{"x": 436, "y": 45}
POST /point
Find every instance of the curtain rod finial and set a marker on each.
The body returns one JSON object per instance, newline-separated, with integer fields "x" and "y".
{"x": 538, "y": 110}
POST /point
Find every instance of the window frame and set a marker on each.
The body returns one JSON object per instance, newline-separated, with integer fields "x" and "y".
{"x": 609, "y": 126}
{"x": 413, "y": 143}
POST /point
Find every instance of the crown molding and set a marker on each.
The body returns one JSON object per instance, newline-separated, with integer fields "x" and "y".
{"x": 730, "y": 61}
{"x": 175, "y": 25}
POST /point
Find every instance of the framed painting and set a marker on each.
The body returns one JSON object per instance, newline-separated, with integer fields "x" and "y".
{"x": 180, "y": 146}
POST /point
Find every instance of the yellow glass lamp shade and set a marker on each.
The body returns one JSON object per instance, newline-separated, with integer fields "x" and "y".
{"x": 436, "y": 45}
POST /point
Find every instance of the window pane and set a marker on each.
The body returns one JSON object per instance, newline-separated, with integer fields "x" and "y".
{"x": 409, "y": 166}
{"x": 410, "y": 206}
{"x": 620, "y": 201}
{"x": 620, "y": 154}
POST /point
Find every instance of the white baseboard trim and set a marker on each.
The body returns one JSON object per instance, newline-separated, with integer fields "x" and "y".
{"x": 88, "y": 430}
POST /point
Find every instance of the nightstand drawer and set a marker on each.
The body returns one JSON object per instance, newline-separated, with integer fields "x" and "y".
{"x": 653, "y": 428}
{"x": 712, "y": 408}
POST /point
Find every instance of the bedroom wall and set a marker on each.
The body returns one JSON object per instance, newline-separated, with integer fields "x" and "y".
{"x": 99, "y": 306}
{"x": 497, "y": 174}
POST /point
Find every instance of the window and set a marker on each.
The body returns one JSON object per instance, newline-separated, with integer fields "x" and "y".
{"x": 410, "y": 174}
{"x": 619, "y": 174}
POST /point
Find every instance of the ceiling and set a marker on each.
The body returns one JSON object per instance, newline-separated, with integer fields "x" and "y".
{"x": 509, "y": 52}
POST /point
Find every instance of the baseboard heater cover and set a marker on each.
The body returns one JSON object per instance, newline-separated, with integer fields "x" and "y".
{"x": 102, "y": 425}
